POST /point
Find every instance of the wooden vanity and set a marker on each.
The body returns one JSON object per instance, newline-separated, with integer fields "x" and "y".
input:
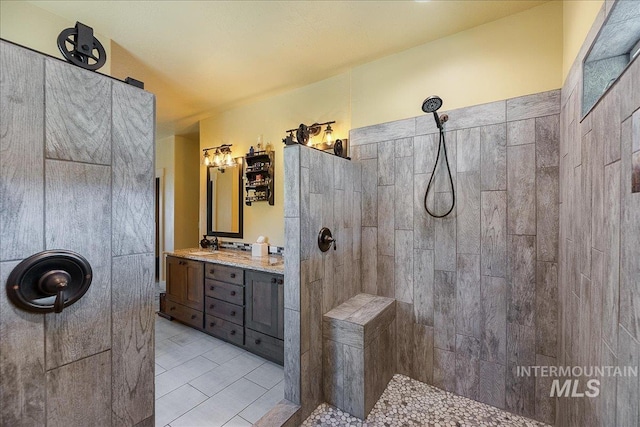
{"x": 230, "y": 295}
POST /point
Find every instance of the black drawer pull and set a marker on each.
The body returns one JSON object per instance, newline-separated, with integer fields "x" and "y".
{"x": 232, "y": 332}
{"x": 211, "y": 306}
{"x": 193, "y": 316}
{"x": 211, "y": 271}
{"x": 233, "y": 313}
{"x": 233, "y": 275}
{"x": 273, "y": 280}
{"x": 172, "y": 308}
{"x": 212, "y": 324}
{"x": 280, "y": 281}
{"x": 211, "y": 288}
{"x": 233, "y": 293}
{"x": 258, "y": 341}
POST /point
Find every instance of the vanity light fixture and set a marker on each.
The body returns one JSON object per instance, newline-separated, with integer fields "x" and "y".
{"x": 328, "y": 135}
{"x": 222, "y": 156}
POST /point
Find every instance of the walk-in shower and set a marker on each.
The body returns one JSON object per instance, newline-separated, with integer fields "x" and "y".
{"x": 431, "y": 105}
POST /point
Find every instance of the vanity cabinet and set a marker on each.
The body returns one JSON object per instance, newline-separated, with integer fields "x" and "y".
{"x": 184, "y": 289}
{"x": 224, "y": 302}
{"x": 244, "y": 307}
{"x": 264, "y": 332}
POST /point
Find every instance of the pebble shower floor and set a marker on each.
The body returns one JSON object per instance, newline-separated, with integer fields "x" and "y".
{"x": 407, "y": 402}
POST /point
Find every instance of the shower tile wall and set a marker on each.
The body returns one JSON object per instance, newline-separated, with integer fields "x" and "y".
{"x": 475, "y": 290}
{"x": 321, "y": 190}
{"x": 76, "y": 173}
{"x": 599, "y": 265}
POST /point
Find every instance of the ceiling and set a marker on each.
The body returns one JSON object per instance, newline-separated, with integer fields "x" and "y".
{"x": 202, "y": 57}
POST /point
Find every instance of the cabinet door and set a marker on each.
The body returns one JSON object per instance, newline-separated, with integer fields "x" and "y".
{"x": 185, "y": 282}
{"x": 194, "y": 285}
{"x": 265, "y": 305}
{"x": 175, "y": 279}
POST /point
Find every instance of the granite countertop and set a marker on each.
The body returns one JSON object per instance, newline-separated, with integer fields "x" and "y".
{"x": 237, "y": 258}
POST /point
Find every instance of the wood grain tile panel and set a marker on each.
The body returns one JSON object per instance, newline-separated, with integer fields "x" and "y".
{"x": 493, "y": 157}
{"x": 404, "y": 266}
{"x": 383, "y": 132}
{"x": 492, "y": 384}
{"x": 370, "y": 193}
{"x": 493, "y": 323}
{"x": 467, "y": 366}
{"x": 444, "y": 369}
{"x": 546, "y": 308}
{"x": 132, "y": 351}
{"x": 547, "y": 214}
{"x": 386, "y": 164}
{"x": 80, "y": 384}
{"x": 22, "y": 370}
{"x": 547, "y": 139}
{"x": 403, "y": 194}
{"x": 493, "y": 230}
{"x": 292, "y": 183}
{"x": 423, "y": 293}
{"x": 423, "y": 223}
{"x": 445, "y": 235}
{"x": 611, "y": 285}
{"x": 521, "y": 189}
{"x": 78, "y": 205}
{"x": 536, "y": 105}
{"x": 468, "y": 295}
{"x": 423, "y": 353}
{"x": 521, "y": 279}
{"x": 404, "y": 326}
{"x": 77, "y": 114}
{"x": 21, "y": 145}
{"x": 132, "y": 170}
{"x": 468, "y": 213}
{"x": 521, "y": 132}
{"x": 444, "y": 310}
{"x": 468, "y": 150}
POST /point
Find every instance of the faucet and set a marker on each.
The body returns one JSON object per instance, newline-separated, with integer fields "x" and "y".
{"x": 215, "y": 244}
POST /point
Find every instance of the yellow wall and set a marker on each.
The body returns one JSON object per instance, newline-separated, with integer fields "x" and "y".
{"x": 506, "y": 58}
{"x": 38, "y": 29}
{"x": 186, "y": 193}
{"x": 577, "y": 18}
{"x": 517, "y": 55}
{"x": 319, "y": 102}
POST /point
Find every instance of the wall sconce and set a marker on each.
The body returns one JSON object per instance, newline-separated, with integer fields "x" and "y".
{"x": 303, "y": 135}
{"x": 222, "y": 157}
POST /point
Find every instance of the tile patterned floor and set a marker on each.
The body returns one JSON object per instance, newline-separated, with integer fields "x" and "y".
{"x": 407, "y": 402}
{"x": 204, "y": 381}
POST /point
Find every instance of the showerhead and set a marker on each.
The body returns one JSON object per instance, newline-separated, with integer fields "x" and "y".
{"x": 432, "y": 104}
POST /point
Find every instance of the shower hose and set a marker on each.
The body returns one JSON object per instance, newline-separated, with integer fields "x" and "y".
{"x": 441, "y": 146}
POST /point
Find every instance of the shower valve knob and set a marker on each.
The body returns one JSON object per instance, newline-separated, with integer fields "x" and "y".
{"x": 325, "y": 240}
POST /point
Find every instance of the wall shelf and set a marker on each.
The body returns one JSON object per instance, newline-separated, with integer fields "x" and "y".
{"x": 259, "y": 176}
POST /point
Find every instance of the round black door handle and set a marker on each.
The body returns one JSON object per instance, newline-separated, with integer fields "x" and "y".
{"x": 211, "y": 271}
{"x": 258, "y": 341}
{"x": 280, "y": 281}
{"x": 172, "y": 308}
{"x": 212, "y": 324}
{"x": 233, "y": 275}
{"x": 49, "y": 281}
{"x": 193, "y": 316}
{"x": 233, "y": 293}
{"x": 273, "y": 280}
{"x": 233, "y": 313}
{"x": 211, "y": 288}
{"x": 211, "y": 306}
{"x": 233, "y": 332}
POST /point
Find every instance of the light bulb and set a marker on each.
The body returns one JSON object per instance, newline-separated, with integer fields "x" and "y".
{"x": 206, "y": 160}
{"x": 216, "y": 158}
{"x": 328, "y": 134}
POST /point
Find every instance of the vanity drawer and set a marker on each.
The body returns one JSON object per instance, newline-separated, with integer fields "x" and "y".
{"x": 224, "y": 310}
{"x": 264, "y": 345}
{"x": 223, "y": 329}
{"x": 184, "y": 314}
{"x": 224, "y": 291}
{"x": 224, "y": 273}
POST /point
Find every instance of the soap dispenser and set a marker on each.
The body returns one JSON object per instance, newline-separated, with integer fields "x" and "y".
{"x": 204, "y": 243}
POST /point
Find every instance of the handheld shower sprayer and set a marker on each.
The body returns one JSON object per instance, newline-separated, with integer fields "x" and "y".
{"x": 431, "y": 105}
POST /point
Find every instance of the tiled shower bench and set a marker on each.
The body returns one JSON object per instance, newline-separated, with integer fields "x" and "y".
{"x": 358, "y": 348}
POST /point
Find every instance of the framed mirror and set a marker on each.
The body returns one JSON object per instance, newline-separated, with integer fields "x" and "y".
{"x": 224, "y": 200}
